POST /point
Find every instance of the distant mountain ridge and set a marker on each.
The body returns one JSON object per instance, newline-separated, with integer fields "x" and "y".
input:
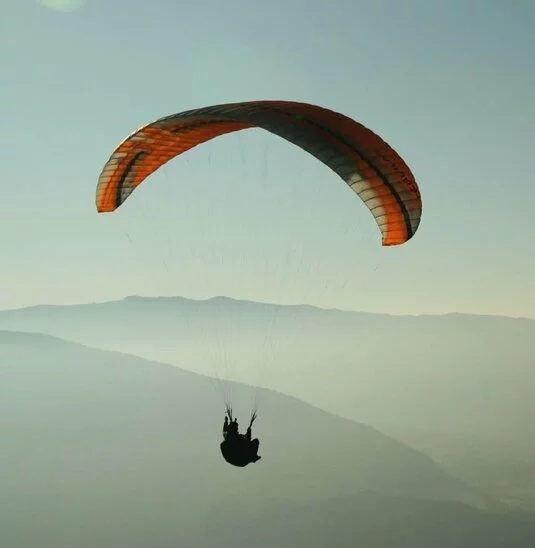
{"x": 458, "y": 374}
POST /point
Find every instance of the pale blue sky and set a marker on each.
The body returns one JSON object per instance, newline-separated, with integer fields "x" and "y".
{"x": 449, "y": 84}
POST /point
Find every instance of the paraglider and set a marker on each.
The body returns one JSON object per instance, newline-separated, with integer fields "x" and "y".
{"x": 239, "y": 449}
{"x": 366, "y": 163}
{"x": 369, "y": 166}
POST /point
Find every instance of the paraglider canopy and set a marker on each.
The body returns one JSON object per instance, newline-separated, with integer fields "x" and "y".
{"x": 369, "y": 166}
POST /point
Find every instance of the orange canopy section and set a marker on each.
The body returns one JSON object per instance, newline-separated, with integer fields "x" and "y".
{"x": 361, "y": 158}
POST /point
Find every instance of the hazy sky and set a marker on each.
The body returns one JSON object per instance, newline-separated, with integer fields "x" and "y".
{"x": 449, "y": 84}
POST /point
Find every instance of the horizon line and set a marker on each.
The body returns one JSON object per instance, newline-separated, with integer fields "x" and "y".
{"x": 268, "y": 303}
